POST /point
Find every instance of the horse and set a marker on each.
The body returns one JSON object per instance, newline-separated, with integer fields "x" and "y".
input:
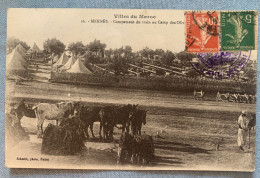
{"x": 23, "y": 110}
{"x": 89, "y": 115}
{"x": 138, "y": 119}
{"x": 251, "y": 124}
{"x": 51, "y": 112}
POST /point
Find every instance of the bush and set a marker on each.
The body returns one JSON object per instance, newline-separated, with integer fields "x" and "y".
{"x": 170, "y": 83}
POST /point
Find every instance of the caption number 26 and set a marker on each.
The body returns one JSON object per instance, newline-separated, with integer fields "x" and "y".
{"x": 248, "y": 18}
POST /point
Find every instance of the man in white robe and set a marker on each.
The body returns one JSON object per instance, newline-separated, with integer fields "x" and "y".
{"x": 242, "y": 130}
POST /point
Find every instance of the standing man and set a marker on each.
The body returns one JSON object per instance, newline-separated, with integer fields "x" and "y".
{"x": 242, "y": 130}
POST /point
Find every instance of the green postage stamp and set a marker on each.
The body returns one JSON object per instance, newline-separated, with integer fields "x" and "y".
{"x": 238, "y": 30}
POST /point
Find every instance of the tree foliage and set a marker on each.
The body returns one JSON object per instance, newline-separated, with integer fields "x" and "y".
{"x": 185, "y": 57}
{"x": 54, "y": 46}
{"x": 147, "y": 52}
{"x": 77, "y": 48}
{"x": 96, "y": 46}
{"x": 250, "y": 73}
{"x": 119, "y": 65}
{"x": 25, "y": 45}
{"x": 167, "y": 58}
{"x": 12, "y": 42}
{"x": 90, "y": 57}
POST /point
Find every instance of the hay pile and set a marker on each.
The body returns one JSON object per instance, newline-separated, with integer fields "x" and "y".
{"x": 66, "y": 139}
{"x": 14, "y": 131}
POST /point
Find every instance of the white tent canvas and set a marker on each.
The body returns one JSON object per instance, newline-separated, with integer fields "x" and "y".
{"x": 35, "y": 48}
{"x": 20, "y": 50}
{"x": 15, "y": 61}
{"x": 62, "y": 60}
{"x": 78, "y": 67}
{"x": 20, "y": 47}
{"x": 70, "y": 63}
{"x": 55, "y": 58}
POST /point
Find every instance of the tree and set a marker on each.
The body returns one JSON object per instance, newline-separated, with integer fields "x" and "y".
{"x": 91, "y": 58}
{"x": 185, "y": 57}
{"x": 147, "y": 52}
{"x": 25, "y": 45}
{"x": 250, "y": 73}
{"x": 54, "y": 46}
{"x": 119, "y": 65}
{"x": 128, "y": 51}
{"x": 159, "y": 52}
{"x": 109, "y": 53}
{"x": 168, "y": 57}
{"x": 77, "y": 48}
{"x": 97, "y": 47}
{"x": 12, "y": 42}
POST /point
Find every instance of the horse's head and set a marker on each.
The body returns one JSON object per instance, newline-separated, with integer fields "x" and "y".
{"x": 13, "y": 112}
{"x": 77, "y": 108}
{"x": 21, "y": 105}
{"x": 132, "y": 109}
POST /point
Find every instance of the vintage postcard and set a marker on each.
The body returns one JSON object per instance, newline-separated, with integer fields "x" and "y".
{"x": 123, "y": 89}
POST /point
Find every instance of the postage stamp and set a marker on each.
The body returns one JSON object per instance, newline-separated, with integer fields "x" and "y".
{"x": 238, "y": 30}
{"x": 221, "y": 65}
{"x": 202, "y": 32}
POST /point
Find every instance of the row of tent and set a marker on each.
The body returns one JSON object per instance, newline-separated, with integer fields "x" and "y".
{"x": 71, "y": 65}
{"x": 17, "y": 58}
{"x": 16, "y": 62}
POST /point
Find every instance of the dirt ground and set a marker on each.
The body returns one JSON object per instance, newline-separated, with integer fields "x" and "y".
{"x": 185, "y": 131}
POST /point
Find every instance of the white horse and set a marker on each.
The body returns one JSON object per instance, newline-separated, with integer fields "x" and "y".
{"x": 51, "y": 112}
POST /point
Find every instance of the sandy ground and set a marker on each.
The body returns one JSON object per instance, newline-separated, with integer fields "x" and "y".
{"x": 189, "y": 130}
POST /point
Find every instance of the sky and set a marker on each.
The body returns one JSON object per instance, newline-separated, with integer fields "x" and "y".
{"x": 37, "y": 25}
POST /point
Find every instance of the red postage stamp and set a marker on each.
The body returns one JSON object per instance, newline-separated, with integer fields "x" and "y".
{"x": 202, "y": 32}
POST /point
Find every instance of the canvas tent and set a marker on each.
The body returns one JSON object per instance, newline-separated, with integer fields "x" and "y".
{"x": 62, "y": 60}
{"x": 15, "y": 56}
{"x": 55, "y": 58}
{"x": 68, "y": 53}
{"x": 30, "y": 50}
{"x": 35, "y": 48}
{"x": 78, "y": 67}
{"x": 21, "y": 48}
{"x": 68, "y": 65}
{"x": 16, "y": 64}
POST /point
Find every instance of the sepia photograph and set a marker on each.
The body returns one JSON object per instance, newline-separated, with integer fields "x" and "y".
{"x": 131, "y": 89}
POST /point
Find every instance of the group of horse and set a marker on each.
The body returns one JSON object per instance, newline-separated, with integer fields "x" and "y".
{"x": 128, "y": 116}
{"x": 132, "y": 144}
{"x": 236, "y": 97}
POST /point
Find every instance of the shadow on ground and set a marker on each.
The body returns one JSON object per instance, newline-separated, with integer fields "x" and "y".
{"x": 166, "y": 161}
{"x": 179, "y": 147}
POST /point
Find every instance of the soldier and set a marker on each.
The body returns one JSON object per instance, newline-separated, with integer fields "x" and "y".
{"x": 242, "y": 130}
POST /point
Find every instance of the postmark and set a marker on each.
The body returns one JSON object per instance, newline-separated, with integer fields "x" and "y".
{"x": 202, "y": 32}
{"x": 238, "y": 30}
{"x": 221, "y": 65}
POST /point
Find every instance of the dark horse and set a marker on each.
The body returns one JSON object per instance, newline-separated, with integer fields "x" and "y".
{"x": 138, "y": 119}
{"x": 89, "y": 115}
{"x": 251, "y": 124}
{"x": 23, "y": 110}
{"x": 112, "y": 115}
